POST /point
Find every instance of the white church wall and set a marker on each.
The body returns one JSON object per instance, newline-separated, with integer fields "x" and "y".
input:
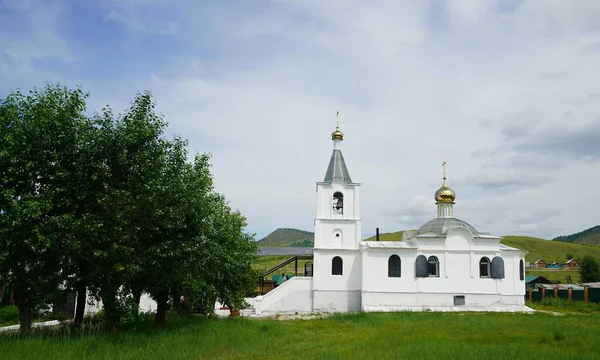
{"x": 93, "y": 306}
{"x": 429, "y": 243}
{"x": 375, "y": 272}
{"x": 458, "y": 239}
{"x": 147, "y": 304}
{"x": 486, "y": 244}
{"x": 294, "y": 295}
{"x": 337, "y": 300}
{"x": 401, "y": 301}
{"x": 351, "y": 209}
{"x": 459, "y": 274}
{"x": 327, "y": 231}
{"x": 351, "y": 271}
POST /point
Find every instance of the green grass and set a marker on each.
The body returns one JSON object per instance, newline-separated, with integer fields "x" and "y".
{"x": 548, "y": 250}
{"x": 357, "y": 336}
{"x": 556, "y": 275}
{"x": 565, "y": 306}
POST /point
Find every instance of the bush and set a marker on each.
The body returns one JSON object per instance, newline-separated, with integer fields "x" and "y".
{"x": 9, "y": 314}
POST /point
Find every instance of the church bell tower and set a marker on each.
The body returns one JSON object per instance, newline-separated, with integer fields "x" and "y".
{"x": 337, "y": 222}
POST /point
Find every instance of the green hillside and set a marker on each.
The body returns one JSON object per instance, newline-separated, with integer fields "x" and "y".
{"x": 288, "y": 237}
{"x": 549, "y": 250}
{"x": 393, "y": 236}
{"x": 590, "y": 236}
{"x": 536, "y": 248}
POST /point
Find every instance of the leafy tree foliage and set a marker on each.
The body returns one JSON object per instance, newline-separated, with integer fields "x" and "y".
{"x": 569, "y": 256}
{"x": 590, "y": 269}
{"x": 107, "y": 204}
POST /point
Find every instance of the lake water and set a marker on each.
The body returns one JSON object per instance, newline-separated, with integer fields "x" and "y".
{"x": 273, "y": 251}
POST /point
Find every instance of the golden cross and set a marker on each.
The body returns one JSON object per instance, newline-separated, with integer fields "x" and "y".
{"x": 444, "y": 167}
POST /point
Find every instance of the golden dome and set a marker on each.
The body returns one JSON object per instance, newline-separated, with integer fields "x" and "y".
{"x": 445, "y": 195}
{"x": 337, "y": 135}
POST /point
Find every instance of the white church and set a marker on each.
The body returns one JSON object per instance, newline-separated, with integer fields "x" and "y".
{"x": 444, "y": 265}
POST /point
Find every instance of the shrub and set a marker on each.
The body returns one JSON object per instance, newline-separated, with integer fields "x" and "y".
{"x": 9, "y": 314}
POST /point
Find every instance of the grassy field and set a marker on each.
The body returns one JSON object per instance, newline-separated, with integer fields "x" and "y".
{"x": 263, "y": 263}
{"x": 357, "y": 336}
{"x": 555, "y": 275}
{"x": 565, "y": 306}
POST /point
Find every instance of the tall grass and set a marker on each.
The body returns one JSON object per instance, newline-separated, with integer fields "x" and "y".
{"x": 565, "y": 306}
{"x": 373, "y": 336}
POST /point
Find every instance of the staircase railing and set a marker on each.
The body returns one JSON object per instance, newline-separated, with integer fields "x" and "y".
{"x": 281, "y": 265}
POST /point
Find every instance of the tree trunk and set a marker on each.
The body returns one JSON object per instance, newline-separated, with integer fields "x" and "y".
{"x": 136, "y": 293}
{"x": 111, "y": 308}
{"x": 162, "y": 306}
{"x": 24, "y": 304}
{"x": 81, "y": 300}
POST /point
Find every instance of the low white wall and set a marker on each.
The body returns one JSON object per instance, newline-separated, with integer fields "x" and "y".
{"x": 294, "y": 295}
{"x": 92, "y": 306}
{"x": 147, "y": 304}
{"x": 337, "y": 301}
{"x": 391, "y": 300}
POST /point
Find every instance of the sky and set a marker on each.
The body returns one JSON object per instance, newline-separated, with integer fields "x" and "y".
{"x": 506, "y": 92}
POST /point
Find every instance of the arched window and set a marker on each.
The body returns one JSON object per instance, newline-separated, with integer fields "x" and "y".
{"x": 421, "y": 266}
{"x": 433, "y": 268}
{"x": 484, "y": 267}
{"x": 337, "y": 266}
{"x": 338, "y": 203}
{"x": 394, "y": 266}
{"x": 521, "y": 270}
{"x": 497, "y": 268}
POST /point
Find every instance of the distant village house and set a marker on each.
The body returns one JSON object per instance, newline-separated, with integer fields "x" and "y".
{"x": 540, "y": 264}
{"x": 573, "y": 263}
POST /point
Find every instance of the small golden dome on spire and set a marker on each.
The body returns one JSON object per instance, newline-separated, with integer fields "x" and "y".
{"x": 337, "y": 134}
{"x": 445, "y": 194}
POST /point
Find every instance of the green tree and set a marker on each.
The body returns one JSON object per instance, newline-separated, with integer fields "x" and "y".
{"x": 589, "y": 270}
{"x": 231, "y": 253}
{"x": 106, "y": 204}
{"x": 569, "y": 256}
{"x": 39, "y": 144}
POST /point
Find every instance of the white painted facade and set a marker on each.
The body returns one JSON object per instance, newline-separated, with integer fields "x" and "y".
{"x": 460, "y": 282}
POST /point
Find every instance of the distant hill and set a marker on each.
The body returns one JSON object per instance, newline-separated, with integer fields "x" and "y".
{"x": 393, "y": 236}
{"x": 590, "y": 236}
{"x": 288, "y": 238}
{"x": 548, "y": 250}
{"x": 536, "y": 248}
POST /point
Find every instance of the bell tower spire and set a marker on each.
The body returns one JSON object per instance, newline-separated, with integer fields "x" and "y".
{"x": 337, "y": 225}
{"x": 337, "y": 169}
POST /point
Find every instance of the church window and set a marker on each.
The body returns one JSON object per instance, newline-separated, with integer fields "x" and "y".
{"x": 338, "y": 203}
{"x": 394, "y": 266}
{"x": 521, "y": 270}
{"x": 337, "y": 266}
{"x": 421, "y": 266}
{"x": 497, "y": 268}
{"x": 433, "y": 269}
{"x": 484, "y": 267}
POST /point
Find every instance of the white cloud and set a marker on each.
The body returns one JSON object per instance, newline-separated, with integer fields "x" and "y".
{"x": 499, "y": 89}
